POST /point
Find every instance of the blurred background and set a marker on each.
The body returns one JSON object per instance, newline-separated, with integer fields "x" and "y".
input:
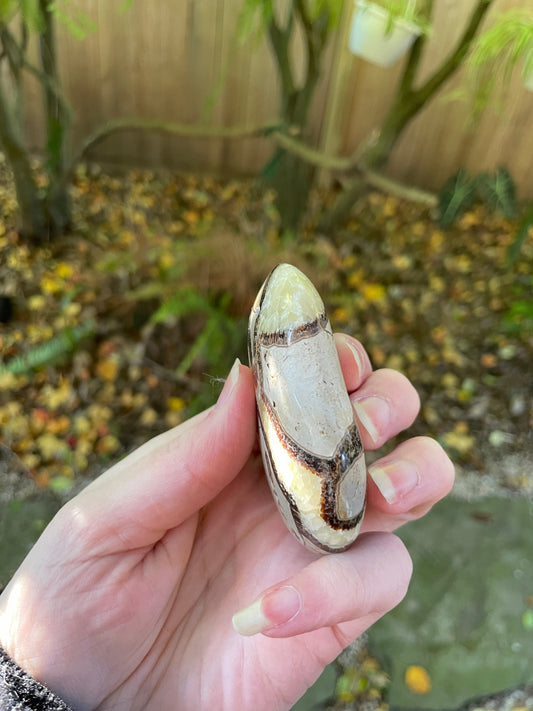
{"x": 158, "y": 159}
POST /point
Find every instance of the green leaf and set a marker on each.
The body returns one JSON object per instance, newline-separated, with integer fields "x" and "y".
{"x": 497, "y": 52}
{"x": 522, "y": 234}
{"x": 527, "y": 620}
{"x": 32, "y": 15}
{"x": 46, "y": 353}
{"x": 77, "y": 22}
{"x": 499, "y": 191}
{"x": 455, "y": 197}
{"x": 183, "y": 302}
{"x": 60, "y": 484}
{"x": 8, "y": 9}
{"x": 254, "y": 18}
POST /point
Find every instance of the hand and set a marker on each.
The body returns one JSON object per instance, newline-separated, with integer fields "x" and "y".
{"x": 126, "y": 600}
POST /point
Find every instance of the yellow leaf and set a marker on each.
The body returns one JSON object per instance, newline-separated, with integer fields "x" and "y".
{"x": 166, "y": 261}
{"x": 72, "y": 309}
{"x": 51, "y": 446}
{"x": 107, "y": 369}
{"x": 53, "y": 398}
{"x": 148, "y": 417}
{"x": 436, "y": 241}
{"x": 8, "y": 381}
{"x": 126, "y": 238}
{"x": 175, "y": 404}
{"x": 355, "y": 279}
{"x": 417, "y": 680}
{"x": 340, "y": 315}
{"x": 64, "y": 270}
{"x": 173, "y": 419}
{"x": 51, "y": 285}
{"x": 437, "y": 284}
{"x": 37, "y": 302}
{"x": 459, "y": 441}
{"x": 374, "y": 292}
{"x": 107, "y": 444}
{"x": 402, "y": 262}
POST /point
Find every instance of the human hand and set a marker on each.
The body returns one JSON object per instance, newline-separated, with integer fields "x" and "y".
{"x": 126, "y": 600}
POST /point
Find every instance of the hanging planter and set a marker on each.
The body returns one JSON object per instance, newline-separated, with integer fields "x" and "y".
{"x": 379, "y": 36}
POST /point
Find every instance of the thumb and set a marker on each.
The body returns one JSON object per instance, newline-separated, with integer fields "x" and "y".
{"x": 172, "y": 476}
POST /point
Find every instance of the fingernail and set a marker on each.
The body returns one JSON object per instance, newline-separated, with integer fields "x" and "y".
{"x": 271, "y": 610}
{"x": 395, "y": 480}
{"x": 356, "y": 356}
{"x": 230, "y": 383}
{"x": 373, "y": 413}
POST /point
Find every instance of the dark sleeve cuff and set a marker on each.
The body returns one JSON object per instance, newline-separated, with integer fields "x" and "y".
{"x": 19, "y": 692}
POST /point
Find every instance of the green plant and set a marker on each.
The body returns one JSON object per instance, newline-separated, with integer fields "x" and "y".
{"x": 522, "y": 233}
{"x": 43, "y": 204}
{"x": 314, "y": 20}
{"x": 53, "y": 350}
{"x": 217, "y": 335}
{"x": 498, "y": 50}
{"x": 412, "y": 94}
{"x": 497, "y": 190}
{"x": 519, "y": 317}
{"x": 410, "y": 10}
{"x": 457, "y": 194}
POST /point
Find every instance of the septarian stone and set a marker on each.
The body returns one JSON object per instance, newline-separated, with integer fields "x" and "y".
{"x": 310, "y": 443}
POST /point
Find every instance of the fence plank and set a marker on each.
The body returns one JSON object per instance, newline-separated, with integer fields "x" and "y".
{"x": 180, "y": 61}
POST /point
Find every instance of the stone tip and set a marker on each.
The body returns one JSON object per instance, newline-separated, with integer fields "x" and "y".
{"x": 290, "y": 300}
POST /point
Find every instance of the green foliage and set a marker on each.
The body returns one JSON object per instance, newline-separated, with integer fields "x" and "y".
{"x": 410, "y": 10}
{"x": 219, "y": 335}
{"x": 456, "y": 196}
{"x": 499, "y": 191}
{"x": 256, "y": 15}
{"x": 522, "y": 234}
{"x": 497, "y": 52}
{"x": 50, "y": 352}
{"x": 29, "y": 10}
{"x": 254, "y": 18}
{"x": 77, "y": 22}
{"x": 519, "y": 317}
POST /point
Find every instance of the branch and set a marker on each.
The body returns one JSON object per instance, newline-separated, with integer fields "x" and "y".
{"x": 454, "y": 60}
{"x": 289, "y": 143}
{"x": 21, "y": 61}
{"x": 407, "y": 192}
{"x": 315, "y": 36}
{"x": 279, "y": 39}
{"x": 337, "y": 163}
{"x": 181, "y": 129}
{"x": 415, "y": 55}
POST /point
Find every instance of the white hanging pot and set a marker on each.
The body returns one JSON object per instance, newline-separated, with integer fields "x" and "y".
{"x": 372, "y": 37}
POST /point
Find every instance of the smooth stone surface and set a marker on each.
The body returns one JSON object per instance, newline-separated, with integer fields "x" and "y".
{"x": 465, "y": 617}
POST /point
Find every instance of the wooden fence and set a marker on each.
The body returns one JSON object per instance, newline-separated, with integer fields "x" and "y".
{"x": 180, "y": 60}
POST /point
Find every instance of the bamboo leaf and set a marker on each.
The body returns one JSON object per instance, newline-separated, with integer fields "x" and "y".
{"x": 77, "y": 22}
{"x": 499, "y": 191}
{"x": 456, "y": 196}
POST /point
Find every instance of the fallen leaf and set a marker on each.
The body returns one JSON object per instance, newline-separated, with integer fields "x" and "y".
{"x": 417, "y": 679}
